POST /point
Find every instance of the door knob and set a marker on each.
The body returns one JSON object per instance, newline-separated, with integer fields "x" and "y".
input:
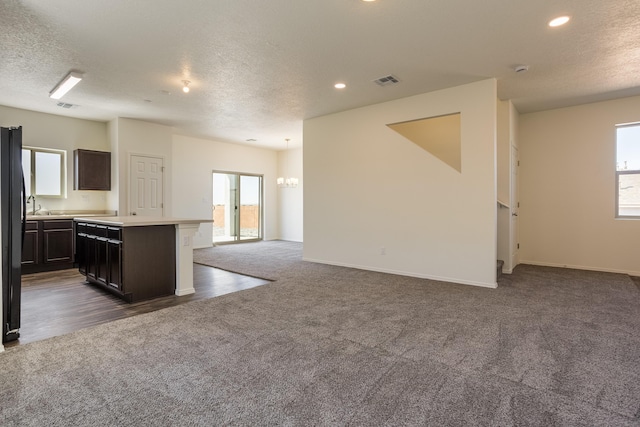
{"x": 512, "y": 214}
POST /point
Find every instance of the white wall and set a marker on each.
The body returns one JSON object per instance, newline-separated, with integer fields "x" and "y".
{"x": 368, "y": 188}
{"x": 503, "y": 152}
{"x": 61, "y": 133}
{"x": 290, "y": 199}
{"x": 113, "y": 198}
{"x": 194, "y": 161}
{"x": 568, "y": 188}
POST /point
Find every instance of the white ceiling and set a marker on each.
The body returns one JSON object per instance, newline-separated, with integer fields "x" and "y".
{"x": 258, "y": 68}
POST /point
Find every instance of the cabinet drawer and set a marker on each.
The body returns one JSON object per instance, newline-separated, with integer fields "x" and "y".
{"x": 100, "y": 231}
{"x": 114, "y": 233}
{"x": 53, "y": 224}
{"x": 31, "y": 225}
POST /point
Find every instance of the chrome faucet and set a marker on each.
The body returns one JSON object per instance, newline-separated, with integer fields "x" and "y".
{"x": 32, "y": 198}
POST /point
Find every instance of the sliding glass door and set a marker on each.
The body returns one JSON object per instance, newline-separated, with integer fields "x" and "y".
{"x": 237, "y": 207}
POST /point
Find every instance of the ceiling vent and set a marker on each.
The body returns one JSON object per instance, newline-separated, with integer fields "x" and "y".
{"x": 387, "y": 80}
{"x": 66, "y": 105}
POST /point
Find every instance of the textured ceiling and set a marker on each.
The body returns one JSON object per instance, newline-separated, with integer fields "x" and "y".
{"x": 259, "y": 68}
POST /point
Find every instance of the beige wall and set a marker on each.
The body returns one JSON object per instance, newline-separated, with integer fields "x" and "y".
{"x": 567, "y": 189}
{"x": 113, "y": 199}
{"x": 358, "y": 173}
{"x": 290, "y": 199}
{"x": 62, "y": 133}
{"x": 189, "y": 179}
{"x": 136, "y": 137}
{"x": 195, "y": 160}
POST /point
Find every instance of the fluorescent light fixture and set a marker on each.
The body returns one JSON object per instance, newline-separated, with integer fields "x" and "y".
{"x": 65, "y": 85}
{"x": 561, "y": 20}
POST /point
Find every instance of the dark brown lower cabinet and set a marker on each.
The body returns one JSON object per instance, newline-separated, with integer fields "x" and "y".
{"x": 134, "y": 263}
{"x": 114, "y": 247}
{"x": 30, "y": 245}
{"x": 48, "y": 246}
{"x": 102, "y": 261}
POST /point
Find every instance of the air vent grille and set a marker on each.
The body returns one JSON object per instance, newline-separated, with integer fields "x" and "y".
{"x": 65, "y": 105}
{"x": 387, "y": 80}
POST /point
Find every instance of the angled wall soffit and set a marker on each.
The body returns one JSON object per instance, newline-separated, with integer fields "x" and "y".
{"x": 438, "y": 135}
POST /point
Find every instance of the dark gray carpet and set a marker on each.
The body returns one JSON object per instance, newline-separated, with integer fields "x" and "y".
{"x": 327, "y": 345}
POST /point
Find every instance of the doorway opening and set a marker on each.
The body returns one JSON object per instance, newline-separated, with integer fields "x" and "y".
{"x": 237, "y": 207}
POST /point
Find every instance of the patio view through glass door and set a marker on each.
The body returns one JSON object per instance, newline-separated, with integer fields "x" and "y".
{"x": 237, "y": 207}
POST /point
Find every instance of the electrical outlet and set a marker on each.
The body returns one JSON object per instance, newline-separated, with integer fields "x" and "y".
{"x": 383, "y": 251}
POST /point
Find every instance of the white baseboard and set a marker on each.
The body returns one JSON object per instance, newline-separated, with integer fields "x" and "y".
{"x": 181, "y": 292}
{"x": 582, "y": 267}
{"x": 409, "y": 274}
{"x": 202, "y": 246}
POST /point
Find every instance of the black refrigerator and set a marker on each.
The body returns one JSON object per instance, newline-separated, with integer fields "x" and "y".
{"x": 13, "y": 212}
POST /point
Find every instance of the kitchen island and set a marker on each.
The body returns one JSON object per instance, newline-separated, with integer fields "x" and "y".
{"x": 137, "y": 257}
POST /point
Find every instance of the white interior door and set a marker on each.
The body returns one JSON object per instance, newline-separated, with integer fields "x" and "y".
{"x": 515, "y": 204}
{"x": 146, "y": 186}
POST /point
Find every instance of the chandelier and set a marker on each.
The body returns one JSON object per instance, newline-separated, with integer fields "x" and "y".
{"x": 287, "y": 181}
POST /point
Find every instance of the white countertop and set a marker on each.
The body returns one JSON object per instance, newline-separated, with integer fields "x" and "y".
{"x": 62, "y": 216}
{"x": 139, "y": 221}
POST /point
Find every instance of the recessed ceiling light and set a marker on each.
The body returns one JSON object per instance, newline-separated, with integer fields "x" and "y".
{"x": 342, "y": 85}
{"x": 560, "y": 20}
{"x": 185, "y": 88}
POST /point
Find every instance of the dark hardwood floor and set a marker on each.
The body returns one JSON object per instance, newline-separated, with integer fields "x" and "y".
{"x": 59, "y": 302}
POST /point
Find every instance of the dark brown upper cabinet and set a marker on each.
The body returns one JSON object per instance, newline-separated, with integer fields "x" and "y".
{"x": 92, "y": 170}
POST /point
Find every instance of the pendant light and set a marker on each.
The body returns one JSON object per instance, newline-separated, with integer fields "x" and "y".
{"x": 286, "y": 181}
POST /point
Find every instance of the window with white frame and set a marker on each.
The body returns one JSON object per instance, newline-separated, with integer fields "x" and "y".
{"x": 44, "y": 172}
{"x": 628, "y": 170}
